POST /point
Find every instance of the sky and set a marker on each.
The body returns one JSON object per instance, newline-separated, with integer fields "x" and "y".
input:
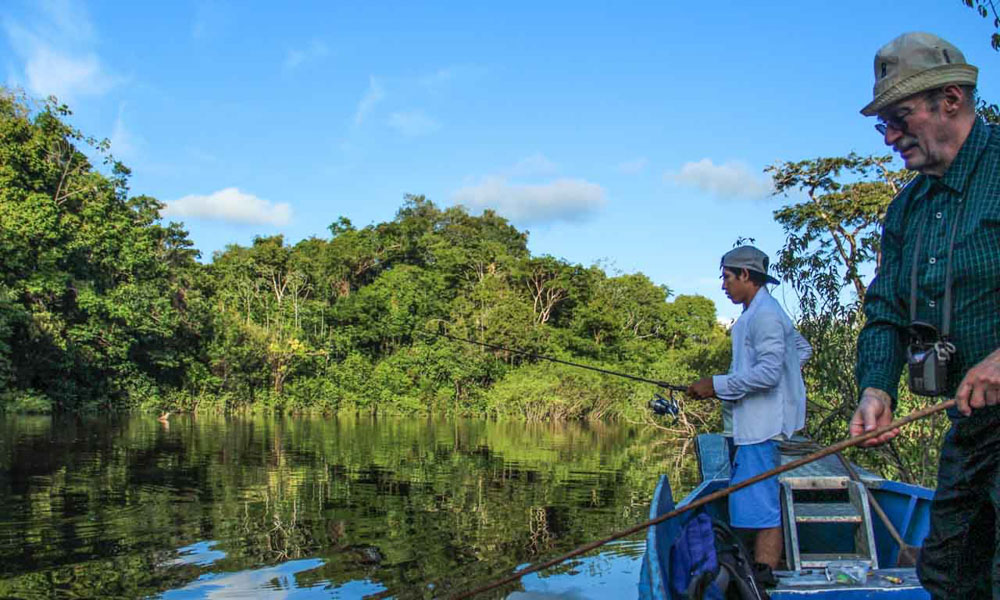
{"x": 630, "y": 135}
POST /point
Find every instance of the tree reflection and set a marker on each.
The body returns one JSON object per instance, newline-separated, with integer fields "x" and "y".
{"x": 418, "y": 508}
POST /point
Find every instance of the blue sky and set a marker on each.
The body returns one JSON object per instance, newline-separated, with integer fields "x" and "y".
{"x": 630, "y": 134}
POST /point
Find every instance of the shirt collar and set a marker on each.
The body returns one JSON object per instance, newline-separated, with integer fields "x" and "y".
{"x": 757, "y": 299}
{"x": 965, "y": 161}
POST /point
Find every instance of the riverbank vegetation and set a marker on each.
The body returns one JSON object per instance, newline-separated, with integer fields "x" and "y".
{"x": 103, "y": 306}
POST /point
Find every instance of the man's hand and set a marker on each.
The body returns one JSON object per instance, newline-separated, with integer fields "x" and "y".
{"x": 981, "y": 385}
{"x": 701, "y": 389}
{"x": 873, "y": 411}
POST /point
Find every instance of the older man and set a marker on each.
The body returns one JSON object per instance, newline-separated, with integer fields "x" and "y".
{"x": 934, "y": 305}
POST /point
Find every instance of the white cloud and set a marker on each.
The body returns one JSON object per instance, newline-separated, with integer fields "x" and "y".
{"x": 728, "y": 180}
{"x": 413, "y": 123}
{"x": 558, "y": 200}
{"x": 56, "y": 53}
{"x": 373, "y": 96}
{"x": 314, "y": 51}
{"x": 51, "y": 72}
{"x": 124, "y": 144}
{"x": 633, "y": 167}
{"x": 532, "y": 166}
{"x": 230, "y": 205}
{"x": 69, "y": 19}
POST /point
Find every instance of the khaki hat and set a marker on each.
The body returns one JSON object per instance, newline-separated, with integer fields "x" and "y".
{"x": 915, "y": 62}
{"x": 749, "y": 258}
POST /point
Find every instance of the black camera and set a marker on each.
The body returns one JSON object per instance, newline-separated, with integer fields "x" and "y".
{"x": 927, "y": 359}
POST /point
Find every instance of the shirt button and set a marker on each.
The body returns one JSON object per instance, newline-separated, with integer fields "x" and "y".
{"x": 938, "y": 215}
{"x": 930, "y": 303}
{"x": 932, "y": 260}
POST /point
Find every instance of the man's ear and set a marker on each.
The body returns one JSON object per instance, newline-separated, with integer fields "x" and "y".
{"x": 954, "y": 98}
{"x": 744, "y": 275}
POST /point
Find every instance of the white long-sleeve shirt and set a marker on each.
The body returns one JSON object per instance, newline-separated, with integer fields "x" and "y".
{"x": 764, "y": 387}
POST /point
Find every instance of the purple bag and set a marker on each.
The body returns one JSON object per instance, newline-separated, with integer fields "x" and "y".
{"x": 693, "y": 554}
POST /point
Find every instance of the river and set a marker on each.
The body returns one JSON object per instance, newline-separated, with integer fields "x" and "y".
{"x": 346, "y": 507}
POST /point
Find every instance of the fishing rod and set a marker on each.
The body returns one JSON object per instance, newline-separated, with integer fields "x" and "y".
{"x": 833, "y": 449}
{"x": 662, "y": 384}
{"x": 659, "y": 404}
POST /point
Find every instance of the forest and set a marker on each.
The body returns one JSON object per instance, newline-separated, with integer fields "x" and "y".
{"x": 104, "y": 307}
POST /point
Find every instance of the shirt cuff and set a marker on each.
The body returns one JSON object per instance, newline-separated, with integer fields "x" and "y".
{"x": 881, "y": 381}
{"x": 721, "y": 385}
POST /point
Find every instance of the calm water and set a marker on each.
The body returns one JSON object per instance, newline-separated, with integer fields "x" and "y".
{"x": 319, "y": 508}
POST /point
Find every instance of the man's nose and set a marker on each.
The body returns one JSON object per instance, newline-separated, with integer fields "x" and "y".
{"x": 892, "y": 135}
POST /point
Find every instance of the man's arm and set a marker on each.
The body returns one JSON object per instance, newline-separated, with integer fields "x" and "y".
{"x": 981, "y": 385}
{"x": 802, "y": 348}
{"x": 767, "y": 337}
{"x": 880, "y": 344}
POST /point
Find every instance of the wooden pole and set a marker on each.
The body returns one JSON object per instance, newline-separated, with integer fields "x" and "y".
{"x": 834, "y": 449}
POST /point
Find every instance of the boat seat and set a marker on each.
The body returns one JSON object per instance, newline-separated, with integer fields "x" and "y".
{"x": 838, "y": 521}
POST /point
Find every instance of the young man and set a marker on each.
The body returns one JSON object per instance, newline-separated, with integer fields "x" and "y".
{"x": 764, "y": 399}
{"x": 940, "y": 265}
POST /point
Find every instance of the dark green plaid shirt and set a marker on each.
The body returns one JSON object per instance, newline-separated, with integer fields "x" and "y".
{"x": 969, "y": 191}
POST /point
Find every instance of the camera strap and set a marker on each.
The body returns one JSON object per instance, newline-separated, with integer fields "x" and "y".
{"x": 948, "y": 277}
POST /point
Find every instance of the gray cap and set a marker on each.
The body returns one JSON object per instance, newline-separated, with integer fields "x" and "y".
{"x": 749, "y": 258}
{"x": 913, "y": 63}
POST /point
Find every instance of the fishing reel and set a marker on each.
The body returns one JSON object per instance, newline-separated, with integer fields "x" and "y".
{"x": 665, "y": 407}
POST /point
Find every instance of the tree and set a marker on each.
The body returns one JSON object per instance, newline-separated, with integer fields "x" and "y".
{"x": 102, "y": 305}
{"x": 836, "y": 230}
{"x": 985, "y": 9}
{"x": 96, "y": 278}
{"x": 832, "y": 238}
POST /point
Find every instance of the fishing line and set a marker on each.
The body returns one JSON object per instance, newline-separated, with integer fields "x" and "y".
{"x": 666, "y": 406}
{"x": 662, "y": 384}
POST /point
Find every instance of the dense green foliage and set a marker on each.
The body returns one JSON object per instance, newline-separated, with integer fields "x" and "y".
{"x": 832, "y": 239}
{"x": 92, "y": 286}
{"x": 104, "y": 306}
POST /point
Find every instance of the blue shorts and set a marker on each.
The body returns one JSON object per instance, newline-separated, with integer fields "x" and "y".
{"x": 756, "y": 506}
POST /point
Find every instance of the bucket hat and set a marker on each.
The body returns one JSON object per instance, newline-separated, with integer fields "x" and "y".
{"x": 749, "y": 258}
{"x": 913, "y": 63}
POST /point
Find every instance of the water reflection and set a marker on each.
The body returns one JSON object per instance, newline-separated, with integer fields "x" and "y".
{"x": 270, "y": 582}
{"x": 200, "y": 554}
{"x": 332, "y": 508}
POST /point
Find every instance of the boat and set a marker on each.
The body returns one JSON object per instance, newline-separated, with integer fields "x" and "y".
{"x": 834, "y": 548}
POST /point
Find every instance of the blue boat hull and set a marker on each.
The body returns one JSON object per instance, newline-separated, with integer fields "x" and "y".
{"x": 907, "y": 506}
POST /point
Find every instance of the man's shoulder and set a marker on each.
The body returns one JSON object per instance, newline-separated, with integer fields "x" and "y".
{"x": 769, "y": 310}
{"x": 993, "y": 142}
{"x": 897, "y": 206}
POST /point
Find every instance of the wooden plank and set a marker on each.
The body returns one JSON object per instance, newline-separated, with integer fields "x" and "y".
{"x": 826, "y": 512}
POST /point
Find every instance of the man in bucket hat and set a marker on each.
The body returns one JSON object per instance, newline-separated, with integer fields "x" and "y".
{"x": 938, "y": 286}
{"x": 764, "y": 399}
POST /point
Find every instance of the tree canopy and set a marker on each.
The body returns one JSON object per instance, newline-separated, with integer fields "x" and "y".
{"x": 105, "y": 306}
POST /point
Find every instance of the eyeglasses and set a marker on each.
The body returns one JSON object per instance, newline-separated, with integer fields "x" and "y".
{"x": 896, "y": 122}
